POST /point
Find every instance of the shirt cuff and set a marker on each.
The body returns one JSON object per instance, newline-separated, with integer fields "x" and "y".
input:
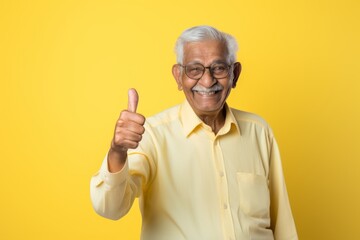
{"x": 113, "y": 179}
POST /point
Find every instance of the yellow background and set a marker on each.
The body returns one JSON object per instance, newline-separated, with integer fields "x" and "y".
{"x": 66, "y": 66}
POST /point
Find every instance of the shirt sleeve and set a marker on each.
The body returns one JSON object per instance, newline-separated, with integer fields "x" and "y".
{"x": 112, "y": 194}
{"x": 282, "y": 222}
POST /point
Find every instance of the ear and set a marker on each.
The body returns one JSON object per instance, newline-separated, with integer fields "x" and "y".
{"x": 176, "y": 71}
{"x": 236, "y": 73}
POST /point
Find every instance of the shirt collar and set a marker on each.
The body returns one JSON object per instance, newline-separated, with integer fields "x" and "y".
{"x": 190, "y": 121}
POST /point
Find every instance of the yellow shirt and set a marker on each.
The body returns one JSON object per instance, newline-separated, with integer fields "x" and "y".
{"x": 193, "y": 184}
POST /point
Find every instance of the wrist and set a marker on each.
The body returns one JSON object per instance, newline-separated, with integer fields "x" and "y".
{"x": 116, "y": 160}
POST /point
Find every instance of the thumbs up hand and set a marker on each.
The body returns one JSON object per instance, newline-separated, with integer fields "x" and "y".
{"x": 128, "y": 133}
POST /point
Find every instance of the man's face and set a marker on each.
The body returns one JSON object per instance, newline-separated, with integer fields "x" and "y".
{"x": 207, "y": 95}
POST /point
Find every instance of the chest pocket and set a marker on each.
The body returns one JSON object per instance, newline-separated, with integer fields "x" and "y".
{"x": 254, "y": 195}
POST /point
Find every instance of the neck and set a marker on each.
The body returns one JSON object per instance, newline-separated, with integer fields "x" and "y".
{"x": 215, "y": 121}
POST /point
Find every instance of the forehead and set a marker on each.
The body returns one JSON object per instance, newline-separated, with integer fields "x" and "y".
{"x": 205, "y": 51}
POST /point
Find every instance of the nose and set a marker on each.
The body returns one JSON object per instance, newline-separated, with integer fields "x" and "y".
{"x": 207, "y": 80}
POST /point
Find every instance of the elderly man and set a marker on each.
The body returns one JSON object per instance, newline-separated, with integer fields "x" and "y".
{"x": 201, "y": 170}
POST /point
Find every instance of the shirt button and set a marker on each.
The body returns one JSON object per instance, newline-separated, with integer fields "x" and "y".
{"x": 221, "y": 174}
{"x": 225, "y": 206}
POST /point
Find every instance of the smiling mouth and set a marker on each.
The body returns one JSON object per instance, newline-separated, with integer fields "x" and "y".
{"x": 206, "y": 93}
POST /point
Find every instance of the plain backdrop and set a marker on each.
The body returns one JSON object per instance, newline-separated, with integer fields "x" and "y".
{"x": 66, "y": 66}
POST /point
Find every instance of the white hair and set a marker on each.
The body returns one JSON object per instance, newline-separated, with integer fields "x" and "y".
{"x": 203, "y": 33}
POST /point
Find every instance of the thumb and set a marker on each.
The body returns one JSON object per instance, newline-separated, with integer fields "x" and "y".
{"x": 133, "y": 99}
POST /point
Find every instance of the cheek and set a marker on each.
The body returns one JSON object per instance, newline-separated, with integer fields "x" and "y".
{"x": 188, "y": 84}
{"x": 227, "y": 85}
{"x": 227, "y": 88}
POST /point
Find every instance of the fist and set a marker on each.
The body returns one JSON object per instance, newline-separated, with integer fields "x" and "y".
{"x": 129, "y": 127}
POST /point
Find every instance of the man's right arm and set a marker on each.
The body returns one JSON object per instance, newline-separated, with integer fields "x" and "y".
{"x": 112, "y": 190}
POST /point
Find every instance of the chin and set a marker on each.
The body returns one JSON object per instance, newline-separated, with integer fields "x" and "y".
{"x": 209, "y": 109}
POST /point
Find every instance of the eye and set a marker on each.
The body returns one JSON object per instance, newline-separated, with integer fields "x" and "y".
{"x": 194, "y": 69}
{"x": 219, "y": 68}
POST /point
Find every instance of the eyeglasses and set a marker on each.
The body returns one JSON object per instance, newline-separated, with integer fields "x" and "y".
{"x": 195, "y": 71}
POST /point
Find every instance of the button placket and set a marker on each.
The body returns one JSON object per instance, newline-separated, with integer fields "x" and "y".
{"x": 224, "y": 201}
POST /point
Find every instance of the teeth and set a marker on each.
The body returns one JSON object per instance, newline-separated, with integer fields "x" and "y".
{"x": 206, "y": 93}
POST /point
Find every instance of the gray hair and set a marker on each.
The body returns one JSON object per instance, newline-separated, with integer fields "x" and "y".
{"x": 202, "y": 33}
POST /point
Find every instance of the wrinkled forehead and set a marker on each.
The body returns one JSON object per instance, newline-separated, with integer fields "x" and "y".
{"x": 207, "y": 50}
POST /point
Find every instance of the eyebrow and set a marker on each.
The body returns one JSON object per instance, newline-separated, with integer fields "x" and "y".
{"x": 214, "y": 62}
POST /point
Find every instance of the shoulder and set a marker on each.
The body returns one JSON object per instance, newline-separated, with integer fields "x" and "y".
{"x": 251, "y": 120}
{"x": 248, "y": 117}
{"x": 164, "y": 117}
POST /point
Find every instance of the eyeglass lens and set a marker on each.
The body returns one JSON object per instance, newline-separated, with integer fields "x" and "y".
{"x": 197, "y": 70}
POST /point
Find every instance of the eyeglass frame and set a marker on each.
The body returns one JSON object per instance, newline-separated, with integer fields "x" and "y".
{"x": 209, "y": 68}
